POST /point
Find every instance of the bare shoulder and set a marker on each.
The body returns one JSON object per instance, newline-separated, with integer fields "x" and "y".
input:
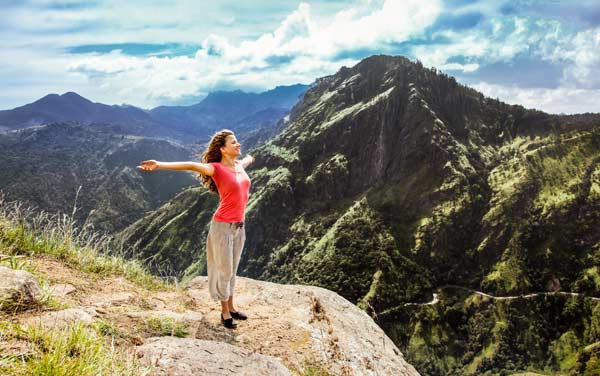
{"x": 204, "y": 168}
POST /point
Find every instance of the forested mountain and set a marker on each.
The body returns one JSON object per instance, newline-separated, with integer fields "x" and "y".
{"x": 45, "y": 167}
{"x": 73, "y": 107}
{"x": 391, "y": 182}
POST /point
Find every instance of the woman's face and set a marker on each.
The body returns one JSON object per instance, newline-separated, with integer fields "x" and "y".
{"x": 232, "y": 147}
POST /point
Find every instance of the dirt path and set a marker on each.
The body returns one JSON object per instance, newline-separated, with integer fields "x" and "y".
{"x": 436, "y": 300}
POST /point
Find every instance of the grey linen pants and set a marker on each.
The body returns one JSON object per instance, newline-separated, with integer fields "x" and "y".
{"x": 223, "y": 250}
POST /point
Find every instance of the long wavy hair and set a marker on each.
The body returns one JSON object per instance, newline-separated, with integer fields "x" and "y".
{"x": 213, "y": 154}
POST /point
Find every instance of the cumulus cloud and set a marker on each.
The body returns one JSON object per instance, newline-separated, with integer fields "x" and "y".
{"x": 505, "y": 39}
{"x": 496, "y": 40}
{"x": 255, "y": 46}
{"x": 582, "y": 51}
{"x": 298, "y": 50}
{"x": 568, "y": 100}
{"x": 579, "y": 86}
{"x": 395, "y": 21}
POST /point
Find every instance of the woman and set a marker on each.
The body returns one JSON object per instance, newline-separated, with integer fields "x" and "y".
{"x": 223, "y": 173}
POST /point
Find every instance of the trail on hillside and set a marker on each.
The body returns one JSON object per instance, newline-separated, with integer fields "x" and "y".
{"x": 436, "y": 299}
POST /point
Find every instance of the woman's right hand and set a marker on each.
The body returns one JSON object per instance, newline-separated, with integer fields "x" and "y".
{"x": 149, "y": 165}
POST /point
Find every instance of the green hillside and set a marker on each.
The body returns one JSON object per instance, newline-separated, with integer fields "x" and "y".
{"x": 92, "y": 167}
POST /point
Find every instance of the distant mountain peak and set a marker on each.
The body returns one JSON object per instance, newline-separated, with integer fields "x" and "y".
{"x": 67, "y": 97}
{"x": 50, "y": 96}
{"x": 71, "y": 94}
{"x": 218, "y": 110}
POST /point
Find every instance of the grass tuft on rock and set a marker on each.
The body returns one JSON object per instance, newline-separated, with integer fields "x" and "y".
{"x": 164, "y": 326}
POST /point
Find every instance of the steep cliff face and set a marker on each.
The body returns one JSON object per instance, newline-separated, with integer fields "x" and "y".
{"x": 392, "y": 180}
{"x": 391, "y": 162}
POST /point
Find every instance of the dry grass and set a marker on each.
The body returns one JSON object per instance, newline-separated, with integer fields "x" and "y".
{"x": 26, "y": 232}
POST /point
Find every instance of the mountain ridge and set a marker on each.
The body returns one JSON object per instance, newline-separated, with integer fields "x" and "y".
{"x": 218, "y": 110}
{"x": 69, "y": 106}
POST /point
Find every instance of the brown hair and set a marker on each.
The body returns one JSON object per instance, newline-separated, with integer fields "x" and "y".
{"x": 213, "y": 154}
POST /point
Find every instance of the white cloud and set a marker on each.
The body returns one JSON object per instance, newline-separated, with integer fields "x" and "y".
{"x": 396, "y": 21}
{"x": 302, "y": 47}
{"x": 499, "y": 39}
{"x": 255, "y": 46}
{"x": 566, "y": 100}
{"x": 506, "y": 38}
{"x": 459, "y": 67}
{"x": 42, "y": 24}
{"x": 582, "y": 52}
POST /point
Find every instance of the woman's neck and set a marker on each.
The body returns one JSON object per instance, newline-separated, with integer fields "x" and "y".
{"x": 228, "y": 161}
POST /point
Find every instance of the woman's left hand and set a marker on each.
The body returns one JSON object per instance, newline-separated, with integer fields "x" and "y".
{"x": 248, "y": 159}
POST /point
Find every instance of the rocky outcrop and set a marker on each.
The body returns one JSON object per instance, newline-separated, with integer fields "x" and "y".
{"x": 18, "y": 290}
{"x": 187, "y": 356}
{"x": 330, "y": 330}
{"x": 291, "y": 329}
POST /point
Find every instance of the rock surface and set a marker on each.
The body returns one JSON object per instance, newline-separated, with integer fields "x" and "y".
{"x": 63, "y": 318}
{"x": 333, "y": 332}
{"x": 62, "y": 289}
{"x": 18, "y": 289}
{"x": 291, "y": 329}
{"x": 187, "y": 356}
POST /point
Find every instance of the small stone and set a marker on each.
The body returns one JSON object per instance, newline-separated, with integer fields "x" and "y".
{"x": 136, "y": 340}
{"x": 18, "y": 290}
{"x": 243, "y": 338}
{"x": 62, "y": 290}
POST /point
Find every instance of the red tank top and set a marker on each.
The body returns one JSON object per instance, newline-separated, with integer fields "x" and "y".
{"x": 233, "y": 190}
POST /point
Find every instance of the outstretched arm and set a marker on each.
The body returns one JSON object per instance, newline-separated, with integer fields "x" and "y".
{"x": 248, "y": 159}
{"x": 202, "y": 168}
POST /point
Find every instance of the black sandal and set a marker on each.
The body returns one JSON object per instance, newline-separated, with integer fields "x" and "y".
{"x": 228, "y": 323}
{"x": 238, "y": 315}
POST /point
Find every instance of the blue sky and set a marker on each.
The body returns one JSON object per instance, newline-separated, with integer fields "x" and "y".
{"x": 540, "y": 54}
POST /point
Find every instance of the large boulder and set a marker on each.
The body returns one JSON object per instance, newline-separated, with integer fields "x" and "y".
{"x": 19, "y": 290}
{"x": 188, "y": 356}
{"x": 309, "y": 325}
